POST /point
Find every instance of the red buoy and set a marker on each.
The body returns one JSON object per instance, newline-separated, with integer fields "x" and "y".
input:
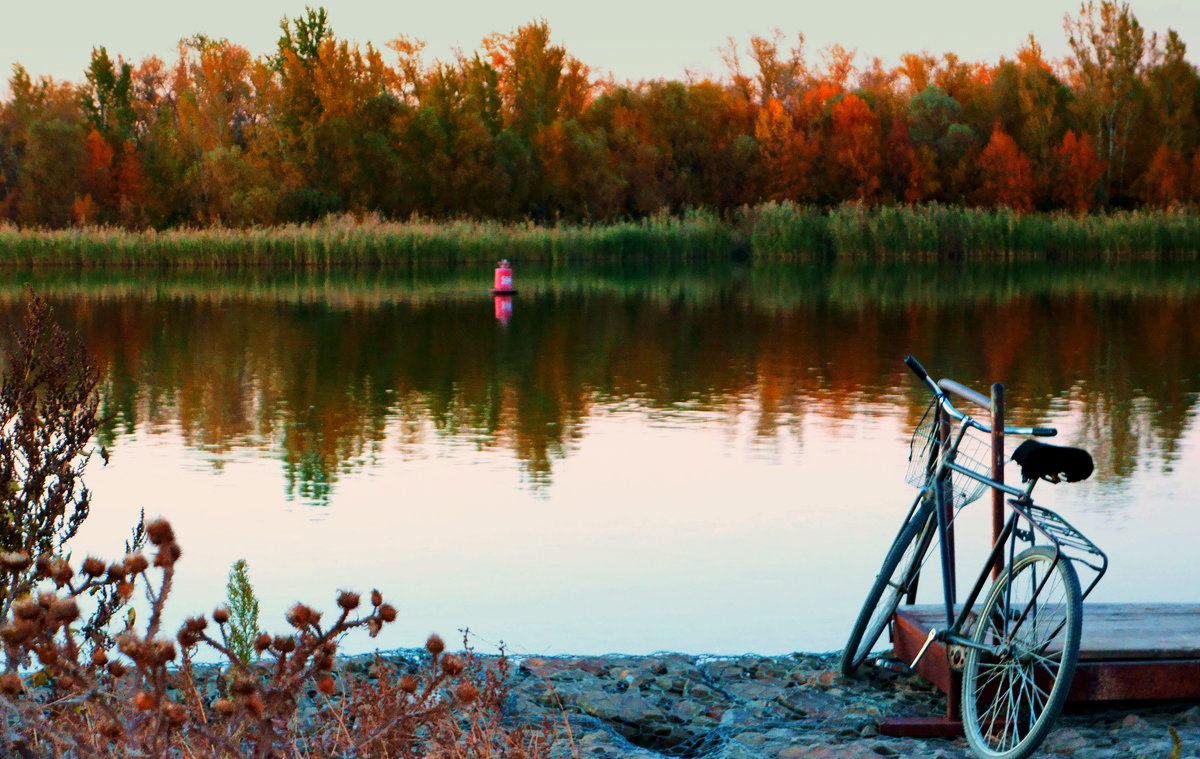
{"x": 503, "y": 283}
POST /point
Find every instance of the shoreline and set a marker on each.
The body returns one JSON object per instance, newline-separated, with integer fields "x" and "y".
{"x": 789, "y": 706}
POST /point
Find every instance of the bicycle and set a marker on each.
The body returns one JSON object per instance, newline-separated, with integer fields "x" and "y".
{"x": 1018, "y": 652}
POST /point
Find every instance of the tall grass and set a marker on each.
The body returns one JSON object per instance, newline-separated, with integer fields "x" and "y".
{"x": 771, "y": 231}
{"x": 345, "y": 241}
{"x": 785, "y": 231}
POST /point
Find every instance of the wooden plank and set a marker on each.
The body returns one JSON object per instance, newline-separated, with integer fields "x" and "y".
{"x": 921, "y": 727}
{"x": 1114, "y": 631}
{"x": 1136, "y": 680}
{"x": 907, "y": 639}
{"x": 1129, "y": 652}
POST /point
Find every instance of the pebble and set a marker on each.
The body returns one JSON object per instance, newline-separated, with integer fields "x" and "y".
{"x": 791, "y": 707}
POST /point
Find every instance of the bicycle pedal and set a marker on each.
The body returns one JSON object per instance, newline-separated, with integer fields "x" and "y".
{"x": 898, "y": 667}
{"x": 924, "y": 647}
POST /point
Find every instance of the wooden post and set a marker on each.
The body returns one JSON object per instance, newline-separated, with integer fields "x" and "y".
{"x": 997, "y": 470}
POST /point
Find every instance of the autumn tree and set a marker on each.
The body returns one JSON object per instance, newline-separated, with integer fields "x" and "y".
{"x": 853, "y": 151}
{"x": 1109, "y": 46}
{"x": 1006, "y": 176}
{"x": 1078, "y": 172}
{"x": 787, "y": 155}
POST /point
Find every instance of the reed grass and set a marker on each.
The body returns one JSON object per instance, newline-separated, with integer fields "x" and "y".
{"x": 785, "y": 231}
{"x": 346, "y": 241}
{"x": 770, "y": 231}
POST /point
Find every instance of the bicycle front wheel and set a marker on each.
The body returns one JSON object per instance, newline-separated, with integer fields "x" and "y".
{"x": 896, "y": 578}
{"x": 1032, "y": 621}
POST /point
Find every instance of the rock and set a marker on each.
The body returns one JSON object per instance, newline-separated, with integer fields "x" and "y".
{"x": 686, "y": 711}
{"x": 750, "y": 738}
{"x": 699, "y": 691}
{"x": 737, "y": 717}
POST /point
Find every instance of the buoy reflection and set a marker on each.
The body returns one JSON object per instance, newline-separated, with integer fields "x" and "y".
{"x": 504, "y": 308}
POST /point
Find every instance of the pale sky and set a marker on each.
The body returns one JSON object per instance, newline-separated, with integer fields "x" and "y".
{"x": 632, "y": 39}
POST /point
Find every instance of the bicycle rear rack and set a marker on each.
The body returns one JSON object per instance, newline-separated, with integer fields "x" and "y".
{"x": 1070, "y": 542}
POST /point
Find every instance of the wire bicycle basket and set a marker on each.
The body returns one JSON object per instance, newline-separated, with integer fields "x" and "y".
{"x": 974, "y": 452}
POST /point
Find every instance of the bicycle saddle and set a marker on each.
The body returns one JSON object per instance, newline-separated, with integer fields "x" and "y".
{"x": 1052, "y": 462}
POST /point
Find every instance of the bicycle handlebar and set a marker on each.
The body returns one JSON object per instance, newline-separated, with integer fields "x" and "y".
{"x": 918, "y": 370}
{"x": 972, "y": 395}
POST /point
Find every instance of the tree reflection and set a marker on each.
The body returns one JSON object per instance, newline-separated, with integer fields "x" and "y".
{"x": 329, "y": 373}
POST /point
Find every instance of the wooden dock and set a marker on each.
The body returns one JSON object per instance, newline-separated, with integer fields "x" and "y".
{"x": 1128, "y": 652}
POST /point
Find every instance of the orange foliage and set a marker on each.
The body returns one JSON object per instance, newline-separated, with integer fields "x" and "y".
{"x": 854, "y": 150}
{"x": 97, "y": 168}
{"x": 1165, "y": 179}
{"x": 787, "y": 155}
{"x": 812, "y": 105}
{"x": 1006, "y": 174}
{"x": 1077, "y": 172}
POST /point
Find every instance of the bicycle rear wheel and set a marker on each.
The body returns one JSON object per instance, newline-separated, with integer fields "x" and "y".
{"x": 896, "y": 578}
{"x": 1011, "y": 698}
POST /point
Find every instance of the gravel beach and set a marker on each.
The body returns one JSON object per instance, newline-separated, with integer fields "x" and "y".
{"x": 627, "y": 707}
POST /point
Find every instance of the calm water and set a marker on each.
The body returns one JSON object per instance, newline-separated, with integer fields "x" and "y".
{"x": 704, "y": 460}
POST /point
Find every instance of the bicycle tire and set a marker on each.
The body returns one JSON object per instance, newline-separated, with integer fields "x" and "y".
{"x": 1007, "y": 712}
{"x": 894, "y": 580}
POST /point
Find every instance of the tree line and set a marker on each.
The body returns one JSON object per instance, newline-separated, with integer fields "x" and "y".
{"x": 522, "y": 130}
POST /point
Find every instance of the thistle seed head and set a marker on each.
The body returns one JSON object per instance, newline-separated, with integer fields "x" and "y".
{"x": 159, "y": 531}
{"x": 167, "y": 555}
{"x": 255, "y": 706}
{"x": 466, "y": 692}
{"x": 262, "y": 642}
{"x": 452, "y": 665}
{"x": 347, "y": 600}
{"x": 93, "y": 567}
{"x": 27, "y": 608}
{"x": 62, "y": 572}
{"x": 195, "y": 624}
{"x": 15, "y": 561}
{"x": 136, "y": 563}
{"x": 11, "y": 685}
{"x": 435, "y": 645}
{"x": 164, "y": 651}
{"x": 301, "y": 616}
{"x": 64, "y": 611}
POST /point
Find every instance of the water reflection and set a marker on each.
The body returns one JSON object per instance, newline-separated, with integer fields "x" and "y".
{"x": 645, "y": 457}
{"x": 321, "y": 369}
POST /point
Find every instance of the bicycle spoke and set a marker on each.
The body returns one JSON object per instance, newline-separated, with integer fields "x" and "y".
{"x": 1011, "y": 698}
